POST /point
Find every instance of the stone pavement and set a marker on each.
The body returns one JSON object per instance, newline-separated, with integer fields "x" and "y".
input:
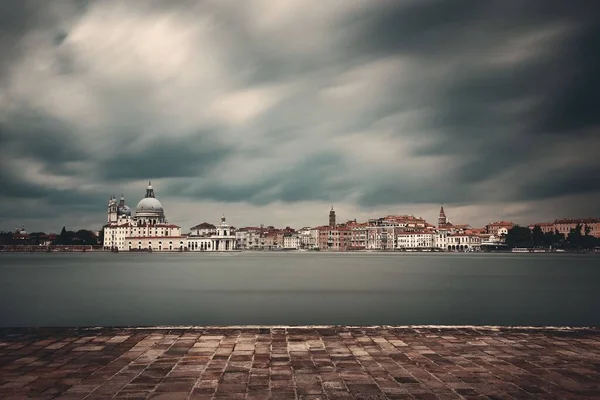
{"x": 300, "y": 363}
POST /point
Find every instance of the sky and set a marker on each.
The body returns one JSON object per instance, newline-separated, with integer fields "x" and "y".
{"x": 271, "y": 112}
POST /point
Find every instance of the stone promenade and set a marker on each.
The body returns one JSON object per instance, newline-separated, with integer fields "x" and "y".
{"x": 300, "y": 363}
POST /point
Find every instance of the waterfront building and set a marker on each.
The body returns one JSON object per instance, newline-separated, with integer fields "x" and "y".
{"x": 334, "y": 239}
{"x": 203, "y": 238}
{"x": 417, "y": 240}
{"x": 544, "y": 226}
{"x": 463, "y": 242}
{"x": 440, "y": 239}
{"x": 380, "y": 237}
{"x": 249, "y": 238}
{"x": 291, "y": 241}
{"x": 565, "y": 225}
{"x": 148, "y": 229}
{"x": 203, "y": 229}
{"x": 358, "y": 236}
{"x": 309, "y": 238}
{"x": 270, "y": 241}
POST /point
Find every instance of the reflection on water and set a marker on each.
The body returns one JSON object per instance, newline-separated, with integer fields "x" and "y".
{"x": 298, "y": 289}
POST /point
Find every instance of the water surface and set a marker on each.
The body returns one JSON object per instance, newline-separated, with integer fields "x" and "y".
{"x": 105, "y": 289}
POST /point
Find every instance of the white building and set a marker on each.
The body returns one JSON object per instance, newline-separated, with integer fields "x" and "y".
{"x": 463, "y": 242}
{"x": 203, "y": 229}
{"x": 291, "y": 241}
{"x": 203, "y": 238}
{"x": 147, "y": 230}
{"x": 415, "y": 240}
{"x": 380, "y": 237}
{"x": 309, "y": 238}
{"x": 440, "y": 239}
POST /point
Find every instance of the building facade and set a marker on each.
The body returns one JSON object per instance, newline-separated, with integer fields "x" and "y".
{"x": 565, "y": 225}
{"x": 147, "y": 230}
{"x": 420, "y": 240}
{"x": 494, "y": 227}
{"x": 203, "y": 237}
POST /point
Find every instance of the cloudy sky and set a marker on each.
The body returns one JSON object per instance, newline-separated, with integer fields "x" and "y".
{"x": 272, "y": 111}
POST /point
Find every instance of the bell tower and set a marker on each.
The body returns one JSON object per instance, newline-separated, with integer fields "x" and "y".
{"x": 112, "y": 209}
{"x": 332, "y": 218}
{"x": 442, "y": 220}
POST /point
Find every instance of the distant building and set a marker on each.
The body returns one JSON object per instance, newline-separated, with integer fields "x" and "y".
{"x": 463, "y": 242}
{"x": 249, "y": 238}
{"x": 565, "y": 225}
{"x": 334, "y": 239}
{"x": 203, "y": 229}
{"x": 309, "y": 238}
{"x": 493, "y": 227}
{"x": 418, "y": 240}
{"x": 291, "y": 241}
{"x": 207, "y": 237}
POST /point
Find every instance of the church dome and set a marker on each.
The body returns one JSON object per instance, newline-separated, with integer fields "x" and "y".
{"x": 124, "y": 210}
{"x": 149, "y": 205}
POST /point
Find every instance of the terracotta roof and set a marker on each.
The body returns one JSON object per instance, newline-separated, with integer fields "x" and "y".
{"x": 204, "y": 225}
{"x": 501, "y": 223}
{"x": 577, "y": 221}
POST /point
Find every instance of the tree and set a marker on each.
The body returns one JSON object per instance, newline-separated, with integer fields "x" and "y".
{"x": 537, "y": 236}
{"x": 559, "y": 239}
{"x": 101, "y": 236}
{"x": 575, "y": 238}
{"x": 86, "y": 237}
{"x": 588, "y": 241}
{"x": 549, "y": 239}
{"x": 519, "y": 236}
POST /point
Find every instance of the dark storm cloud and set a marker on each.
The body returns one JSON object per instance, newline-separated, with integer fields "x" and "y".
{"x": 170, "y": 158}
{"x": 16, "y": 192}
{"x": 573, "y": 104}
{"x": 562, "y": 182}
{"x": 19, "y": 17}
{"x": 469, "y": 104}
{"x": 312, "y": 178}
{"x": 42, "y": 138}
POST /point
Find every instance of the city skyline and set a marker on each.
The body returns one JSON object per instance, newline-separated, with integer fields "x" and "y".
{"x": 271, "y": 117}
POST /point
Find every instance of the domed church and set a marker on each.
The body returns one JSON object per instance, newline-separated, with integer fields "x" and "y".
{"x": 147, "y": 230}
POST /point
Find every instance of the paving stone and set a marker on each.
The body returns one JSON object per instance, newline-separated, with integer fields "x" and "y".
{"x": 300, "y": 363}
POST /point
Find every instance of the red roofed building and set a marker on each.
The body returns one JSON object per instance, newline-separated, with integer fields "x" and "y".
{"x": 565, "y": 225}
{"x": 493, "y": 227}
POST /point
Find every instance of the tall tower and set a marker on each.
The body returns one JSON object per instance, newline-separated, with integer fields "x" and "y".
{"x": 442, "y": 220}
{"x": 332, "y": 218}
{"x": 112, "y": 210}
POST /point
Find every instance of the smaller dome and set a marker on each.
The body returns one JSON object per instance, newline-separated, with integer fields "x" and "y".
{"x": 124, "y": 210}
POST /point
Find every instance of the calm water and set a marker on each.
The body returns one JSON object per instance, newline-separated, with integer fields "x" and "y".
{"x": 298, "y": 288}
